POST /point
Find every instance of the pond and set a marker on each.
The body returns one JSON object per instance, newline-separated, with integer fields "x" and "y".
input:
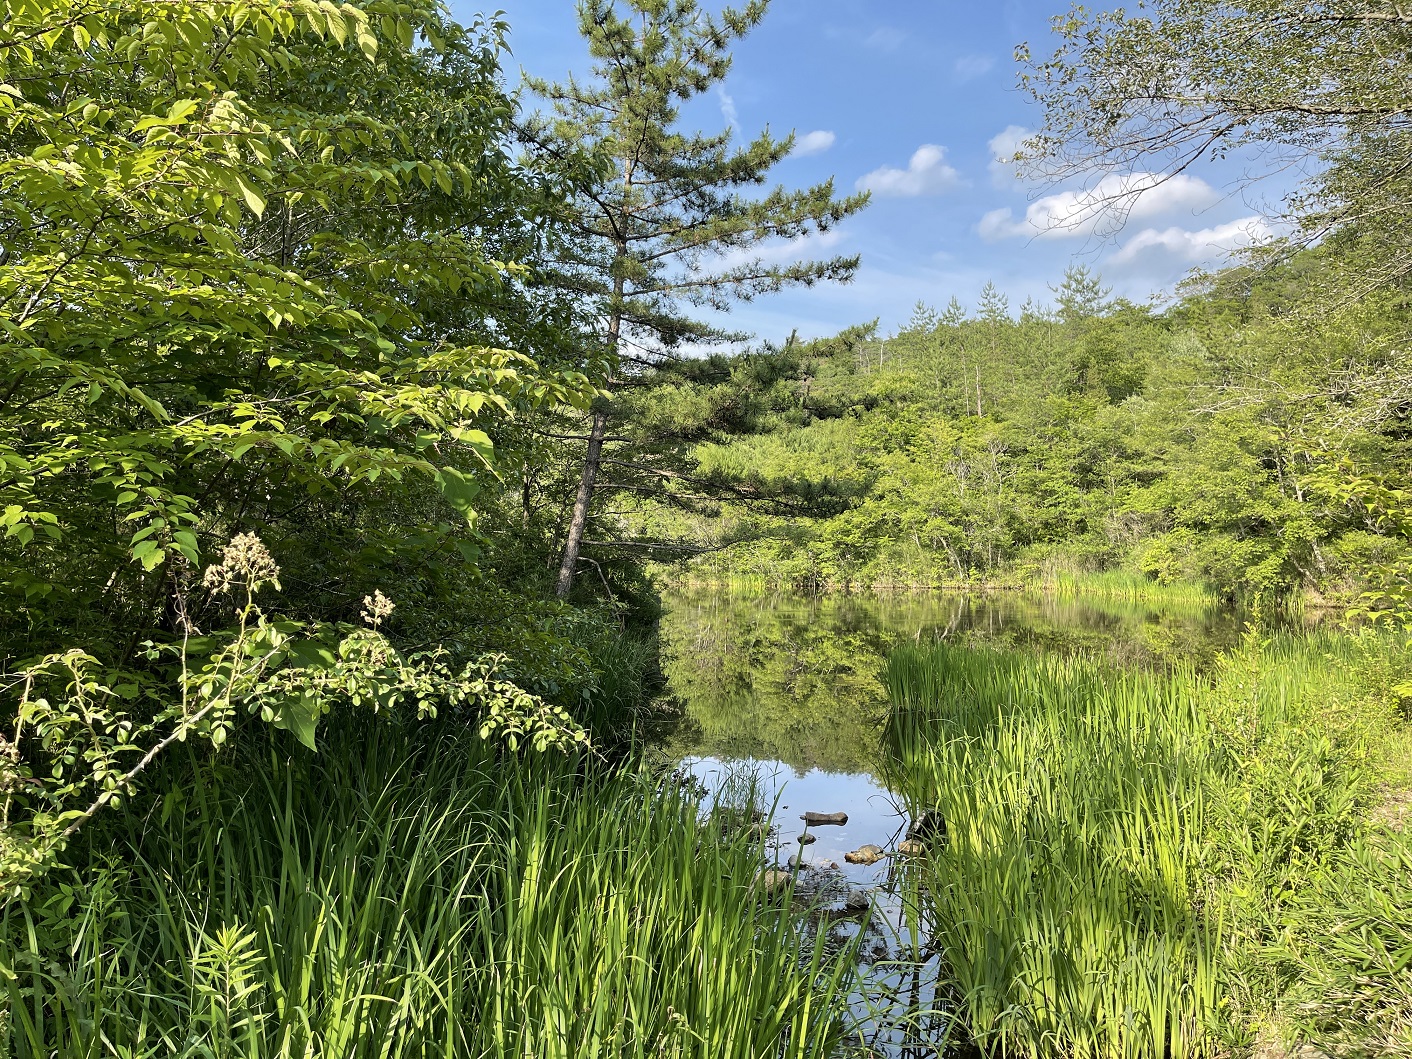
{"x": 781, "y": 696}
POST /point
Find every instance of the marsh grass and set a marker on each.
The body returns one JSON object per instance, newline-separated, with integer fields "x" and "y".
{"x": 1131, "y": 857}
{"x": 1063, "y": 899}
{"x": 1123, "y": 585}
{"x": 405, "y": 894}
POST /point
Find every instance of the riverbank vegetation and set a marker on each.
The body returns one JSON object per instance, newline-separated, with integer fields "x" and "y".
{"x": 345, "y": 404}
{"x": 411, "y": 891}
{"x": 1159, "y": 862}
{"x": 1224, "y": 442}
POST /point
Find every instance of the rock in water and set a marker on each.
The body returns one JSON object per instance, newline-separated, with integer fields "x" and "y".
{"x": 857, "y": 901}
{"x": 868, "y": 854}
{"x": 912, "y": 848}
{"x": 772, "y": 879}
{"x": 806, "y": 838}
{"x": 819, "y": 819}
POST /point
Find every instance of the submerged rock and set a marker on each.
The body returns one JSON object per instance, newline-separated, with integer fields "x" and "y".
{"x": 857, "y": 901}
{"x": 868, "y": 854}
{"x": 806, "y": 839}
{"x": 820, "y": 819}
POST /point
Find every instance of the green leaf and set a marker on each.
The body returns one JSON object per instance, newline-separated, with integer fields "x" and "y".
{"x": 460, "y": 491}
{"x": 300, "y": 715}
{"x": 253, "y": 198}
{"x": 311, "y": 654}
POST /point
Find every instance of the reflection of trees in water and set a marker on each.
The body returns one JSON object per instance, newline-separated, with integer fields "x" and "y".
{"x": 780, "y": 678}
{"x": 796, "y": 679}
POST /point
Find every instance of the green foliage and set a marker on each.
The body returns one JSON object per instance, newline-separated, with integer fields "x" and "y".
{"x": 1194, "y": 446}
{"x": 228, "y": 267}
{"x": 1143, "y": 862}
{"x": 81, "y": 739}
{"x": 411, "y": 892}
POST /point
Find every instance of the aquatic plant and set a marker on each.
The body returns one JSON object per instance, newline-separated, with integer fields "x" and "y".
{"x": 426, "y": 895}
{"x": 1064, "y": 896}
{"x": 1142, "y": 863}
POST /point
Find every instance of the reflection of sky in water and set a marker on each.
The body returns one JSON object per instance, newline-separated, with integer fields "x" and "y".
{"x": 895, "y": 1000}
{"x": 874, "y": 813}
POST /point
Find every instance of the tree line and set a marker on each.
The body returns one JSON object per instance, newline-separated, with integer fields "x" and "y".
{"x": 1229, "y": 439}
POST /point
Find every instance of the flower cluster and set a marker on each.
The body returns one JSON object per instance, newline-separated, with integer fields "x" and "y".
{"x": 376, "y": 608}
{"x": 245, "y": 562}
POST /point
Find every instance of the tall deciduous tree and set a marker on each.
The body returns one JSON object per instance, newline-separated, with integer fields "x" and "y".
{"x": 668, "y": 221}
{"x": 236, "y": 289}
{"x": 1325, "y": 86}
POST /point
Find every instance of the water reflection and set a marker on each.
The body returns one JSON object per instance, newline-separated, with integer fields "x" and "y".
{"x": 782, "y": 694}
{"x": 896, "y": 1003}
{"x": 795, "y": 679}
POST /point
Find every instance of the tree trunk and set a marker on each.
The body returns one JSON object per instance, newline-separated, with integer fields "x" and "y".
{"x": 579, "y": 523}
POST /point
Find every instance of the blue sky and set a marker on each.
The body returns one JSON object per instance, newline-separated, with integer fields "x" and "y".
{"x": 915, "y": 100}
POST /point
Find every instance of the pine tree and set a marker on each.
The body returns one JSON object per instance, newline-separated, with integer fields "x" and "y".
{"x": 665, "y": 220}
{"x": 1081, "y": 295}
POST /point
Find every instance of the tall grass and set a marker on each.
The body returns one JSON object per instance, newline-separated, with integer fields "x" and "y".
{"x": 1063, "y": 898}
{"x": 413, "y": 895}
{"x": 1132, "y": 857}
{"x": 1123, "y": 585}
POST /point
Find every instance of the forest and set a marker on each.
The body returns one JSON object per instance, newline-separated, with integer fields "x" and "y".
{"x": 391, "y": 531}
{"x": 1230, "y": 440}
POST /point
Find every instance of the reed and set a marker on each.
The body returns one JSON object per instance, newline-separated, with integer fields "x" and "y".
{"x": 1123, "y": 585}
{"x": 1122, "y": 846}
{"x": 1063, "y": 898}
{"x": 412, "y": 895}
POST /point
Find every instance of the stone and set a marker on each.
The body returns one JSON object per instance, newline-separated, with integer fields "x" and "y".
{"x": 807, "y": 839}
{"x": 857, "y": 901}
{"x": 796, "y": 862}
{"x": 912, "y": 848}
{"x": 868, "y": 854}
{"x": 773, "y": 879}
{"x": 821, "y": 819}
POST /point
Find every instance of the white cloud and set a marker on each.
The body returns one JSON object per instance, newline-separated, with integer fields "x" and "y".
{"x": 1101, "y": 209}
{"x": 727, "y": 107}
{"x": 969, "y": 67}
{"x": 816, "y": 142}
{"x": 1193, "y": 247}
{"x": 885, "y": 38}
{"x": 1003, "y": 146}
{"x": 926, "y": 174}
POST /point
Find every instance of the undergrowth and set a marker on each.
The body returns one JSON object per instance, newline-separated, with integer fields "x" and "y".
{"x": 411, "y": 892}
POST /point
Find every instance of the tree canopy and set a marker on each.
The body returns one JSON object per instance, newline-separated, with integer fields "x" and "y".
{"x": 1323, "y": 89}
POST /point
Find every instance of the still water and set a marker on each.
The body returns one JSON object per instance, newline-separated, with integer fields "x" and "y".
{"x": 782, "y": 695}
